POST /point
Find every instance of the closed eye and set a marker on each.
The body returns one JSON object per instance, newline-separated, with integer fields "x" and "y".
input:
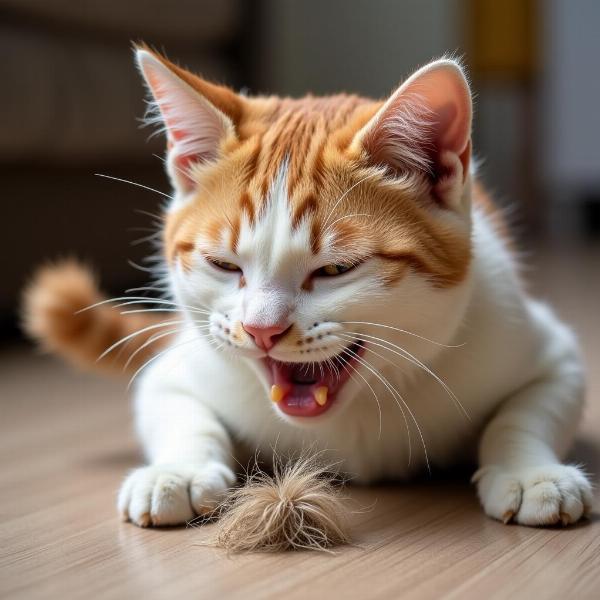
{"x": 334, "y": 270}
{"x": 223, "y": 265}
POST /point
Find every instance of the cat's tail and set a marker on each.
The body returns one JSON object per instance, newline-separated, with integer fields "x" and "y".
{"x": 56, "y": 313}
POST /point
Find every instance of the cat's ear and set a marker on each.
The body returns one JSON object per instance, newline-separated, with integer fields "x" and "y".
{"x": 196, "y": 115}
{"x": 424, "y": 126}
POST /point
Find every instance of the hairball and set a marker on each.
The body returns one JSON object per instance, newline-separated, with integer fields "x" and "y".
{"x": 299, "y": 507}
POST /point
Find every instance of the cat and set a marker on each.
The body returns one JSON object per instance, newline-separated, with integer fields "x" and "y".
{"x": 338, "y": 280}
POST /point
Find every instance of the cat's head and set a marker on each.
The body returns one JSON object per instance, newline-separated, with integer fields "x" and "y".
{"x": 318, "y": 238}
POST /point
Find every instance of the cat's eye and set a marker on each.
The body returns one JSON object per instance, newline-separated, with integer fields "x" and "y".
{"x": 333, "y": 270}
{"x": 223, "y": 264}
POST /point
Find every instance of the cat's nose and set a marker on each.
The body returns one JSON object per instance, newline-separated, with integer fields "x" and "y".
{"x": 266, "y": 337}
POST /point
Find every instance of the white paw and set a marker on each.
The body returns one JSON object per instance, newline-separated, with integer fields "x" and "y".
{"x": 544, "y": 495}
{"x": 173, "y": 494}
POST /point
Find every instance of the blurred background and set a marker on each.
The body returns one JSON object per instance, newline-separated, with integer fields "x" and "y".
{"x": 71, "y": 103}
{"x": 70, "y": 106}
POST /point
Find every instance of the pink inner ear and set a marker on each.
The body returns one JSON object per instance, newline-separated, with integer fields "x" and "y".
{"x": 175, "y": 132}
{"x": 181, "y": 162}
{"x": 449, "y": 128}
{"x": 447, "y": 96}
{"x": 159, "y": 93}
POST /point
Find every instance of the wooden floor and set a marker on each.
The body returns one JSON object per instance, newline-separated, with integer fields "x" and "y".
{"x": 65, "y": 444}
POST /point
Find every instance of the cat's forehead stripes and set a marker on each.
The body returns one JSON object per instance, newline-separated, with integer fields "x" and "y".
{"x": 299, "y": 151}
{"x": 302, "y": 135}
{"x": 299, "y": 132}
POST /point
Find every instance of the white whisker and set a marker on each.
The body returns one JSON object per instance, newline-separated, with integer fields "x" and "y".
{"x": 128, "y": 300}
{"x": 397, "y": 396}
{"x": 148, "y": 342}
{"x": 401, "y": 331}
{"x": 136, "y": 333}
{"x": 158, "y": 218}
{"x": 345, "y": 194}
{"x": 146, "y": 310}
{"x": 156, "y": 357}
{"x": 160, "y": 310}
{"x": 145, "y": 187}
{"x": 133, "y": 264}
{"x": 406, "y": 355}
{"x": 146, "y": 238}
{"x": 345, "y": 365}
{"x": 140, "y": 299}
{"x": 176, "y": 306}
{"x": 158, "y": 336}
{"x": 346, "y": 217}
{"x": 147, "y": 288}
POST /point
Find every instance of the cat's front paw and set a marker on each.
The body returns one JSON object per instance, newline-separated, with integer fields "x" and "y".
{"x": 544, "y": 495}
{"x": 172, "y": 494}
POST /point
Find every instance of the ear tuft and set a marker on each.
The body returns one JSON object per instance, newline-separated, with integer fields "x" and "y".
{"x": 403, "y": 137}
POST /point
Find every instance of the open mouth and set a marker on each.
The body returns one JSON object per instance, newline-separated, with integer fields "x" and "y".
{"x": 309, "y": 389}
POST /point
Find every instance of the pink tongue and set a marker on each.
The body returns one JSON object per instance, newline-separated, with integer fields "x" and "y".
{"x": 299, "y": 381}
{"x": 294, "y": 386}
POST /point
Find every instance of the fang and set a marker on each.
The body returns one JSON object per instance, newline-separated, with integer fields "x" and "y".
{"x": 277, "y": 393}
{"x": 321, "y": 395}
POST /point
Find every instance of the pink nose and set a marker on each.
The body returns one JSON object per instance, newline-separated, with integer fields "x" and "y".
{"x": 265, "y": 337}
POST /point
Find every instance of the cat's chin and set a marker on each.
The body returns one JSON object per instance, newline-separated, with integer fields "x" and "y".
{"x": 310, "y": 389}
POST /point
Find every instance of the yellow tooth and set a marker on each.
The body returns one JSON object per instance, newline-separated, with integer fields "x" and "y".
{"x": 276, "y": 393}
{"x": 321, "y": 395}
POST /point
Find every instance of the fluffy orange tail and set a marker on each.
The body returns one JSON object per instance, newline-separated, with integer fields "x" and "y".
{"x": 50, "y": 316}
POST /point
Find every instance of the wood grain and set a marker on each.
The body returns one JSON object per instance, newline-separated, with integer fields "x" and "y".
{"x": 66, "y": 443}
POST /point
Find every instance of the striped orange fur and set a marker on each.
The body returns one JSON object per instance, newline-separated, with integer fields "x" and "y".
{"x": 333, "y": 186}
{"x": 314, "y": 136}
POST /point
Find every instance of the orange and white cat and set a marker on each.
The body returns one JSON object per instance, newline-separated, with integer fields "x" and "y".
{"x": 338, "y": 280}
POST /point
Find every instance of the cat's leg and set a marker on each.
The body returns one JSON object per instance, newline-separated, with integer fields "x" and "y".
{"x": 190, "y": 455}
{"x": 521, "y": 476}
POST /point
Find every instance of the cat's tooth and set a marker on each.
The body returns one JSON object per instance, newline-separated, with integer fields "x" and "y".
{"x": 277, "y": 393}
{"x": 321, "y": 395}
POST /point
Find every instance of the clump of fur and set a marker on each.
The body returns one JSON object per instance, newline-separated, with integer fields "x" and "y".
{"x": 299, "y": 507}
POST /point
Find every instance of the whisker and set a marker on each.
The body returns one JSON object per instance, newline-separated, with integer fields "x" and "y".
{"x": 157, "y": 336}
{"x": 329, "y": 362}
{"x": 158, "y": 218}
{"x": 396, "y": 395}
{"x": 402, "y": 331}
{"x": 147, "y": 288}
{"x": 151, "y": 340}
{"x": 406, "y": 355}
{"x": 346, "y": 217}
{"x": 146, "y": 229}
{"x": 134, "y": 183}
{"x": 156, "y": 357}
{"x": 345, "y": 194}
{"x": 140, "y": 299}
{"x": 146, "y": 238}
{"x": 128, "y": 300}
{"x": 133, "y": 264}
{"x": 321, "y": 369}
{"x": 411, "y": 358}
{"x": 164, "y": 302}
{"x": 345, "y": 367}
{"x": 136, "y": 333}
{"x": 147, "y": 310}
